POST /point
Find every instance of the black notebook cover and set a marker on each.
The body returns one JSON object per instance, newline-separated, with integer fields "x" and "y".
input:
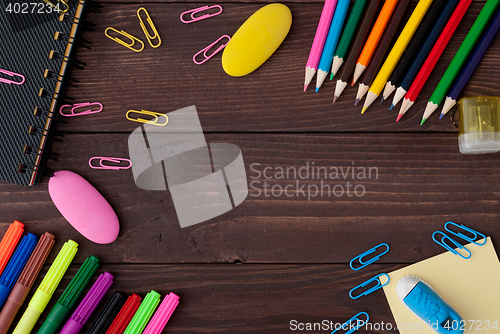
{"x": 27, "y": 32}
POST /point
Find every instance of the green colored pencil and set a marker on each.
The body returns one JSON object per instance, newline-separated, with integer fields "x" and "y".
{"x": 348, "y": 34}
{"x": 460, "y": 57}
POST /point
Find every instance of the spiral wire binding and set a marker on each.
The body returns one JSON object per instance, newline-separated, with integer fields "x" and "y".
{"x": 53, "y": 76}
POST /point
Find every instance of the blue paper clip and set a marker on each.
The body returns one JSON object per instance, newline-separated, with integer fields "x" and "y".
{"x": 463, "y": 236}
{"x": 367, "y": 292}
{"x": 448, "y": 247}
{"x": 368, "y": 252}
{"x": 359, "y": 323}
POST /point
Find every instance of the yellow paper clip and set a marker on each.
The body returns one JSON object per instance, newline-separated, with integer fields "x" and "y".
{"x": 57, "y": 5}
{"x": 154, "y": 121}
{"x": 126, "y": 34}
{"x": 146, "y": 32}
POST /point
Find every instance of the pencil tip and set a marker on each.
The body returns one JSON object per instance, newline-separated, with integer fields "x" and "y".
{"x": 363, "y": 111}
{"x": 356, "y": 102}
{"x": 399, "y": 117}
{"x": 335, "y": 97}
{"x": 392, "y": 106}
{"x": 317, "y": 89}
{"x": 331, "y": 76}
{"x": 305, "y": 87}
{"x": 382, "y": 100}
{"x": 441, "y": 116}
{"x": 423, "y": 120}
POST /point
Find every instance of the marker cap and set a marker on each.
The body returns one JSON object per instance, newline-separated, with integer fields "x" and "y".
{"x": 144, "y": 313}
{"x": 9, "y": 242}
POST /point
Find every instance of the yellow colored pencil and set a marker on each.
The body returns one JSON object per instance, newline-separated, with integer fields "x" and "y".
{"x": 396, "y": 52}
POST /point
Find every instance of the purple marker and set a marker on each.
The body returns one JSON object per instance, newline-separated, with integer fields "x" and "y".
{"x": 83, "y": 312}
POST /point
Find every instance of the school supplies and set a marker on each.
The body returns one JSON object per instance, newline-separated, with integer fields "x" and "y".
{"x": 396, "y": 52}
{"x": 434, "y": 56}
{"x": 105, "y": 163}
{"x": 75, "y": 109}
{"x": 162, "y": 315}
{"x": 107, "y": 314}
{"x": 371, "y": 289}
{"x": 256, "y": 40}
{"x": 91, "y": 215}
{"x": 413, "y": 47}
{"x": 47, "y": 288}
{"x": 348, "y": 325}
{"x": 208, "y": 48}
{"x": 159, "y": 119}
{"x": 460, "y": 58}
{"x": 332, "y": 39}
{"x": 130, "y": 45}
{"x": 9, "y": 242}
{"x": 37, "y": 40}
{"x": 422, "y": 53}
{"x": 366, "y": 262}
{"x": 15, "y": 78}
{"x": 319, "y": 40}
{"x": 381, "y": 50}
{"x": 472, "y": 63}
{"x": 16, "y": 265}
{"x": 353, "y": 55}
{"x": 462, "y": 251}
{"x": 61, "y": 311}
{"x": 125, "y": 315}
{"x": 198, "y": 10}
{"x": 149, "y": 36}
{"x": 88, "y": 305}
{"x": 144, "y": 313}
{"x": 348, "y": 34}
{"x": 476, "y": 236}
{"x": 375, "y": 36}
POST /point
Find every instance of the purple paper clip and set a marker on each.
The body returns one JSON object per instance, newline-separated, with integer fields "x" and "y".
{"x": 112, "y": 160}
{"x": 205, "y": 50}
{"x": 12, "y": 74}
{"x": 81, "y": 105}
{"x": 195, "y": 11}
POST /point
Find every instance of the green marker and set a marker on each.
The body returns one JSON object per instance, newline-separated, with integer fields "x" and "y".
{"x": 46, "y": 289}
{"x": 144, "y": 313}
{"x": 61, "y": 311}
{"x": 347, "y": 35}
{"x": 460, "y": 57}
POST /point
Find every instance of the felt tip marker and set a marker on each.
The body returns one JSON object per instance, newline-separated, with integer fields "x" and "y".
{"x": 9, "y": 242}
{"x": 47, "y": 288}
{"x": 125, "y": 315}
{"x": 61, "y": 311}
{"x": 144, "y": 313}
{"x": 25, "y": 281}
{"x": 162, "y": 315}
{"x": 107, "y": 314}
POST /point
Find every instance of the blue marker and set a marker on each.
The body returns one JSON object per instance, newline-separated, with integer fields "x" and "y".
{"x": 326, "y": 60}
{"x": 16, "y": 265}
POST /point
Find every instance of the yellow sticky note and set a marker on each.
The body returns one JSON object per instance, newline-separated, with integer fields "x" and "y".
{"x": 471, "y": 287}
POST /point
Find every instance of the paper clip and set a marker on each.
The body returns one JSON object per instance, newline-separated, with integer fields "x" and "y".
{"x": 195, "y": 11}
{"x": 12, "y": 74}
{"x": 126, "y": 34}
{"x": 112, "y": 160}
{"x": 367, "y": 292}
{"x": 155, "y": 121}
{"x": 463, "y": 236}
{"x": 205, "y": 50}
{"x": 146, "y": 32}
{"x": 368, "y": 252}
{"x": 81, "y": 105}
{"x": 448, "y": 247}
{"x": 359, "y": 323}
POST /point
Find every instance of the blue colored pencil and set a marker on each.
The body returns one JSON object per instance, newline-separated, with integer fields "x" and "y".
{"x": 474, "y": 60}
{"x": 326, "y": 60}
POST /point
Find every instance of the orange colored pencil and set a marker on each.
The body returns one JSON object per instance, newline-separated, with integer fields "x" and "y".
{"x": 374, "y": 38}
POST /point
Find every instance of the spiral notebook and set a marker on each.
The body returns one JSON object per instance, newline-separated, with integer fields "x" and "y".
{"x": 37, "y": 44}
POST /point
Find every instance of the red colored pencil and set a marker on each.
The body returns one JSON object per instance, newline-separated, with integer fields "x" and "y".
{"x": 434, "y": 56}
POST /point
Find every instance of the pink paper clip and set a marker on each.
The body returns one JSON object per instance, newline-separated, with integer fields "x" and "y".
{"x": 111, "y": 160}
{"x": 12, "y": 74}
{"x": 195, "y": 11}
{"x": 81, "y": 105}
{"x": 205, "y": 50}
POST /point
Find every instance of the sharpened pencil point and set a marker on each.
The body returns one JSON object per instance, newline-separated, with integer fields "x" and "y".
{"x": 392, "y": 106}
{"x": 441, "y": 116}
{"x": 331, "y": 76}
{"x": 399, "y": 117}
{"x": 305, "y": 87}
{"x": 356, "y": 102}
{"x": 317, "y": 89}
{"x": 423, "y": 120}
{"x": 382, "y": 100}
{"x": 363, "y": 111}
{"x": 335, "y": 97}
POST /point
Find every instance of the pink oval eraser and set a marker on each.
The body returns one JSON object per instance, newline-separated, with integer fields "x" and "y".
{"x": 84, "y": 207}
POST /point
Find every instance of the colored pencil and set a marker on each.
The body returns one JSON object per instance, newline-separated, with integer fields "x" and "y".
{"x": 460, "y": 58}
{"x": 374, "y": 37}
{"x": 381, "y": 50}
{"x": 434, "y": 55}
{"x": 396, "y": 52}
{"x": 352, "y": 57}
{"x": 422, "y": 53}
{"x": 348, "y": 35}
{"x": 474, "y": 60}
{"x": 325, "y": 62}
{"x": 413, "y": 47}
{"x": 319, "y": 40}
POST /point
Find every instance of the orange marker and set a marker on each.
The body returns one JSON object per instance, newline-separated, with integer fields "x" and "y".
{"x": 9, "y": 242}
{"x": 374, "y": 38}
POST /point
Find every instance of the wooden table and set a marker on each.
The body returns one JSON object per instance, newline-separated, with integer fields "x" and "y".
{"x": 273, "y": 259}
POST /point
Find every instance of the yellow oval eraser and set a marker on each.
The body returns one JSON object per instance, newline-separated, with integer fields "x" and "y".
{"x": 256, "y": 40}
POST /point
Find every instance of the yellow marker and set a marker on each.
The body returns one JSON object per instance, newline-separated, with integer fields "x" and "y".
{"x": 46, "y": 289}
{"x": 396, "y": 52}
